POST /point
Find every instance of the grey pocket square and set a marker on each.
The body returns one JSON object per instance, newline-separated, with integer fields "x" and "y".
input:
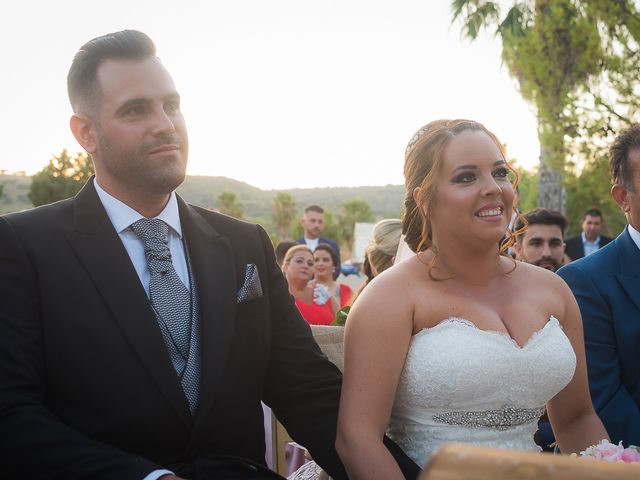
{"x": 251, "y": 288}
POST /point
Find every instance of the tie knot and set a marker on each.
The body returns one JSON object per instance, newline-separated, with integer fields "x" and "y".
{"x": 150, "y": 230}
{"x": 153, "y": 233}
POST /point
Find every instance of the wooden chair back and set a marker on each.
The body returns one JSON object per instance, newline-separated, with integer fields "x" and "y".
{"x": 457, "y": 461}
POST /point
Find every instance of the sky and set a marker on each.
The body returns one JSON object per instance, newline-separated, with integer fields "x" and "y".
{"x": 276, "y": 93}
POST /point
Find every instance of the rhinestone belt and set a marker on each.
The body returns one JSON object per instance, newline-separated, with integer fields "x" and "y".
{"x": 497, "y": 419}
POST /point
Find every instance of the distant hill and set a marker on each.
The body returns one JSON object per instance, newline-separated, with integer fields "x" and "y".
{"x": 385, "y": 201}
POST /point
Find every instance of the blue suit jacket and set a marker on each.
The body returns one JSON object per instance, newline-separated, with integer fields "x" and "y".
{"x": 607, "y": 287}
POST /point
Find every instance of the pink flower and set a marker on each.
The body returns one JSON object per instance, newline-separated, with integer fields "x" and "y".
{"x": 630, "y": 455}
{"x": 610, "y": 452}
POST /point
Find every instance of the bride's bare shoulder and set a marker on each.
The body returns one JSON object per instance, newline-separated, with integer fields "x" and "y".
{"x": 392, "y": 289}
{"x": 538, "y": 277}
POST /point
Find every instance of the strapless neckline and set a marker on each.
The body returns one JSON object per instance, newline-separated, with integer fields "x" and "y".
{"x": 495, "y": 333}
{"x": 461, "y": 383}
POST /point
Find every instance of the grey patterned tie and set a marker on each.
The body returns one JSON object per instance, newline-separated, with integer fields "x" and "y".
{"x": 170, "y": 299}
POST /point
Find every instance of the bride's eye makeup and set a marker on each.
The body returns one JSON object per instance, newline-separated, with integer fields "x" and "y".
{"x": 464, "y": 177}
{"x": 502, "y": 172}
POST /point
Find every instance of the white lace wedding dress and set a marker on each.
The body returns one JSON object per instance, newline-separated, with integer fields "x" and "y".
{"x": 463, "y": 384}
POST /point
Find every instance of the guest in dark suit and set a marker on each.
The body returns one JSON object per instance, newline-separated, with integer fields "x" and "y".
{"x": 312, "y": 222}
{"x": 590, "y": 240}
{"x": 607, "y": 287}
{"x": 138, "y": 333}
{"x": 541, "y": 244}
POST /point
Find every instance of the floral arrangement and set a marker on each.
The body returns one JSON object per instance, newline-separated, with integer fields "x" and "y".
{"x": 341, "y": 316}
{"x": 321, "y": 294}
{"x": 610, "y": 452}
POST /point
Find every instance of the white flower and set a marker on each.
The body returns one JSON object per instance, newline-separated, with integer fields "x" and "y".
{"x": 321, "y": 294}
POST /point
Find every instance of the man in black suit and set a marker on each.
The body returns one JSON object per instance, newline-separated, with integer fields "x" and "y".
{"x": 138, "y": 334}
{"x": 590, "y": 240}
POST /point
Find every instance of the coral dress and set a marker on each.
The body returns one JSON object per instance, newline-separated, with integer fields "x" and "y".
{"x": 316, "y": 314}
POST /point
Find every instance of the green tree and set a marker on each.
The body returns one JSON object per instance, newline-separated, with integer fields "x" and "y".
{"x": 62, "y": 178}
{"x": 557, "y": 50}
{"x": 356, "y": 210}
{"x": 229, "y": 204}
{"x": 283, "y": 213}
{"x": 590, "y": 189}
{"x": 1, "y": 190}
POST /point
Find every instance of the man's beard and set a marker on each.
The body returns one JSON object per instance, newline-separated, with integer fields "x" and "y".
{"x": 160, "y": 176}
{"x": 555, "y": 265}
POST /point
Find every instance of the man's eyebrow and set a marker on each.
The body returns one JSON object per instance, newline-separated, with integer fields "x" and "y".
{"x": 146, "y": 101}
{"x": 132, "y": 103}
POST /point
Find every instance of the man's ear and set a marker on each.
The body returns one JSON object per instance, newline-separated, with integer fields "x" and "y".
{"x": 620, "y": 195}
{"x": 83, "y": 129}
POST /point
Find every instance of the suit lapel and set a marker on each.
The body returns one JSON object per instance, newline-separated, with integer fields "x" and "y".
{"x": 105, "y": 259}
{"x": 629, "y": 276}
{"x": 214, "y": 270}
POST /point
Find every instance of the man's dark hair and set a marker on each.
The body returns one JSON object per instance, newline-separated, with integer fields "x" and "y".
{"x": 541, "y": 216}
{"x": 82, "y": 85}
{"x": 313, "y": 208}
{"x": 592, "y": 212}
{"x": 281, "y": 250}
{"x": 619, "y": 167}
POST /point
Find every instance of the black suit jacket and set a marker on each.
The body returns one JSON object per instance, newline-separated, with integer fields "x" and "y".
{"x": 87, "y": 389}
{"x": 575, "y": 249}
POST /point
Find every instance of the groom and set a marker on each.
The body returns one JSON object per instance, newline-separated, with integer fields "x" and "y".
{"x": 138, "y": 333}
{"x": 607, "y": 287}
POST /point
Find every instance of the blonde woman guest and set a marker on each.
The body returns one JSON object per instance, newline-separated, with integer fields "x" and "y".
{"x": 460, "y": 342}
{"x": 314, "y": 303}
{"x": 381, "y": 250}
{"x": 326, "y": 264}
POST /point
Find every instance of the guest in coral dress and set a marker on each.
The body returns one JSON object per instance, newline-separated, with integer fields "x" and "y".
{"x": 314, "y": 300}
{"x": 326, "y": 264}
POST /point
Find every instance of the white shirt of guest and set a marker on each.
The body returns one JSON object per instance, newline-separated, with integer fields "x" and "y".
{"x": 590, "y": 247}
{"x": 122, "y": 216}
{"x": 312, "y": 243}
{"x": 635, "y": 235}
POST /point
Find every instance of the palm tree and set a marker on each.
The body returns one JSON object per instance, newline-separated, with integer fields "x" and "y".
{"x": 556, "y": 50}
{"x": 283, "y": 214}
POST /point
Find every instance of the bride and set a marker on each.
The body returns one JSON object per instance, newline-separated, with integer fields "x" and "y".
{"x": 460, "y": 343}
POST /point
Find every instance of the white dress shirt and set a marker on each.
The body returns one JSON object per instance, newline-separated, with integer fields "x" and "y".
{"x": 590, "y": 247}
{"x": 635, "y": 235}
{"x": 312, "y": 243}
{"x": 122, "y": 216}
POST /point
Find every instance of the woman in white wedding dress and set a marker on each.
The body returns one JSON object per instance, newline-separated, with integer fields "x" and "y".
{"x": 460, "y": 343}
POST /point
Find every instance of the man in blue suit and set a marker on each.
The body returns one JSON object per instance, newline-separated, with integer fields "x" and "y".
{"x": 607, "y": 287}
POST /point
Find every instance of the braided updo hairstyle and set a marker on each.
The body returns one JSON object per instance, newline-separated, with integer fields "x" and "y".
{"x": 423, "y": 160}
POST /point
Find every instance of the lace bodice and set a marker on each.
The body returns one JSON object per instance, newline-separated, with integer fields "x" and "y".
{"x": 463, "y": 384}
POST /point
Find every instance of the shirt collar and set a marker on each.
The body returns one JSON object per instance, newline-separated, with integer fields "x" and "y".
{"x": 635, "y": 235}
{"x": 122, "y": 215}
{"x": 595, "y": 242}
